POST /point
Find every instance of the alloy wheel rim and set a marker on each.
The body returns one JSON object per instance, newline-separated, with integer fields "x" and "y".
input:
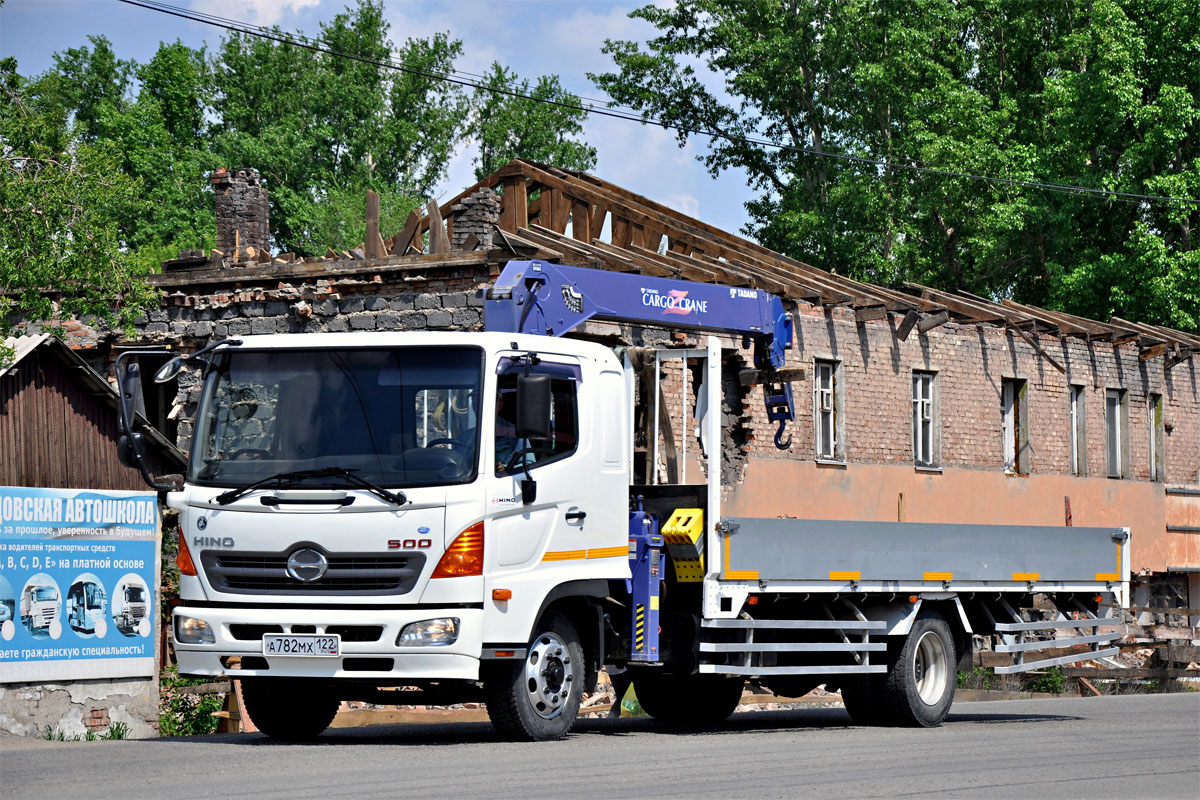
{"x": 548, "y": 676}
{"x": 931, "y": 669}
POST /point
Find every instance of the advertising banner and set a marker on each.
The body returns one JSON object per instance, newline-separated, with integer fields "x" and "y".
{"x": 78, "y": 584}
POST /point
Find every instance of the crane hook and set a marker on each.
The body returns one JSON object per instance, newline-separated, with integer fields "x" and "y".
{"x": 779, "y": 442}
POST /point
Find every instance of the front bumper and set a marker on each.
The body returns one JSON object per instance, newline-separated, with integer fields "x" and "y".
{"x": 455, "y": 661}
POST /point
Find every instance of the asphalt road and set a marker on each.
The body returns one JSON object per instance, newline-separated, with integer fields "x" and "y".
{"x": 1124, "y": 747}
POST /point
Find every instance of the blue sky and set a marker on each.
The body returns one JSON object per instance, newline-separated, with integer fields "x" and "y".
{"x": 533, "y": 37}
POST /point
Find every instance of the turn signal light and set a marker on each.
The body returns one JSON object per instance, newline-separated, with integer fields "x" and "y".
{"x": 183, "y": 559}
{"x": 464, "y": 556}
{"x": 502, "y": 594}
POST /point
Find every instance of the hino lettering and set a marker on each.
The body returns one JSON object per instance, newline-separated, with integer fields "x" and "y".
{"x": 548, "y": 546}
{"x": 212, "y": 541}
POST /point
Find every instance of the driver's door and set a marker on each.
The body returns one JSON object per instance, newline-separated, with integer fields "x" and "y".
{"x": 519, "y": 535}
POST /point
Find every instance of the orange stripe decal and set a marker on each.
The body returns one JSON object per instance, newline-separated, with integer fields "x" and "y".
{"x": 608, "y": 552}
{"x": 845, "y": 576}
{"x": 939, "y": 576}
{"x": 1026, "y": 576}
{"x": 737, "y": 574}
{"x": 564, "y": 555}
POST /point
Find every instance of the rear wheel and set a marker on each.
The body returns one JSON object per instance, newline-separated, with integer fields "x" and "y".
{"x": 537, "y": 700}
{"x": 919, "y": 686}
{"x": 287, "y": 709}
{"x": 688, "y": 699}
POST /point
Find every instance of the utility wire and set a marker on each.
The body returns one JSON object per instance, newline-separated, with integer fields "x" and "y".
{"x": 613, "y": 111}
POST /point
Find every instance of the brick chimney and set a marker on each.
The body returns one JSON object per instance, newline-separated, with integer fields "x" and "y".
{"x": 477, "y": 214}
{"x": 243, "y": 213}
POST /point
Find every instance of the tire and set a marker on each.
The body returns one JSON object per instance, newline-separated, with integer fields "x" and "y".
{"x": 863, "y": 697}
{"x": 537, "y": 699}
{"x": 688, "y": 699}
{"x": 289, "y": 709}
{"x": 919, "y": 686}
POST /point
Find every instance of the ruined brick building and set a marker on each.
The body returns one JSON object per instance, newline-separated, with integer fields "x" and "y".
{"x": 918, "y": 405}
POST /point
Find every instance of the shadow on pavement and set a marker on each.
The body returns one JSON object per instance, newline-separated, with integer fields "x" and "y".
{"x": 443, "y": 734}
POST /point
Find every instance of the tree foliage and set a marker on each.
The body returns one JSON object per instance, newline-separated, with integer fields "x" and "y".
{"x": 59, "y": 212}
{"x": 321, "y": 129}
{"x": 514, "y": 119}
{"x": 1099, "y": 93}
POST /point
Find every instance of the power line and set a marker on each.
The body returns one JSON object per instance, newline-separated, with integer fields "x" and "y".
{"x": 298, "y": 40}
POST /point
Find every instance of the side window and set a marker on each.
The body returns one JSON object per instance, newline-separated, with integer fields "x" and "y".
{"x": 514, "y": 455}
{"x": 1015, "y": 416}
{"x": 924, "y": 416}
{"x": 827, "y": 410}
{"x": 1116, "y": 433}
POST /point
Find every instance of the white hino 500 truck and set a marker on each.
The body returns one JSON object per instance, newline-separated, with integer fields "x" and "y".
{"x": 436, "y": 518}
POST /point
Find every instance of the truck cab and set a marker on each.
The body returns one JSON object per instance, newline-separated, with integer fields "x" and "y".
{"x": 371, "y": 510}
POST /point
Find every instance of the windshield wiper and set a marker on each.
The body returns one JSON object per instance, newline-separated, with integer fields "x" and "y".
{"x": 283, "y": 479}
{"x": 395, "y": 498}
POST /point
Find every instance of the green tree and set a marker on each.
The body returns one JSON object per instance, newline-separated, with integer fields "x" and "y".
{"x": 1101, "y": 93}
{"x": 514, "y": 120}
{"x": 322, "y": 129}
{"x": 60, "y": 247}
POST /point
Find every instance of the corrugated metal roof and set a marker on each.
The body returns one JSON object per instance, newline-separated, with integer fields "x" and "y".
{"x": 23, "y": 346}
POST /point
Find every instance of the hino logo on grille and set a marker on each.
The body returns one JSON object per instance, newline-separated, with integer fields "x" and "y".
{"x": 307, "y": 565}
{"x": 212, "y": 541}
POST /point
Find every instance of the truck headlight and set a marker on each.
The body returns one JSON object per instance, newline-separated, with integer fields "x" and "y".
{"x": 429, "y": 632}
{"x": 189, "y": 630}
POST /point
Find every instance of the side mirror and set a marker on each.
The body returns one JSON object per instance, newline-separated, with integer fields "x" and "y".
{"x": 131, "y": 449}
{"x": 169, "y": 370}
{"x": 132, "y": 400}
{"x": 528, "y": 492}
{"x": 533, "y": 406}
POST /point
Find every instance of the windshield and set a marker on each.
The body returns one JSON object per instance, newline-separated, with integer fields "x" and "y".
{"x": 44, "y": 593}
{"x": 397, "y": 417}
{"x": 134, "y": 594}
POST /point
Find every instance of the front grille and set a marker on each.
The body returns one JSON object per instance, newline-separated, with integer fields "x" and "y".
{"x": 356, "y": 633}
{"x": 348, "y": 573}
{"x": 246, "y": 632}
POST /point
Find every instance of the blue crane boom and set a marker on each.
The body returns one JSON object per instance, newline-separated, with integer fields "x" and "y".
{"x": 537, "y": 297}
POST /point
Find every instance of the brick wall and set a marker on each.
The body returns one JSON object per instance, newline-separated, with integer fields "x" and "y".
{"x": 971, "y": 361}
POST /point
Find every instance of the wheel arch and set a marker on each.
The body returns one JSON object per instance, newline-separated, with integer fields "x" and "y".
{"x": 951, "y": 610}
{"x": 580, "y": 602}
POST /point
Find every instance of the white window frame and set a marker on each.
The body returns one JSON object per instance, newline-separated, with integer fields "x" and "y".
{"x": 1077, "y": 412}
{"x": 826, "y": 402}
{"x": 924, "y": 418}
{"x": 1014, "y": 411}
{"x": 1154, "y": 415}
{"x": 1116, "y": 441}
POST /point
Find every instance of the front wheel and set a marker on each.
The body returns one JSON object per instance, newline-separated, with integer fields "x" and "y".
{"x": 537, "y": 700}
{"x": 289, "y": 709}
{"x": 919, "y": 687}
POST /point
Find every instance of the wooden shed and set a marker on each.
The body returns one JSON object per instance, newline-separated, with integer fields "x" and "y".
{"x": 58, "y": 423}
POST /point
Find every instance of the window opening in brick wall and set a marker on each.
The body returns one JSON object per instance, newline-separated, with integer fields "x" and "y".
{"x": 1116, "y": 425}
{"x": 924, "y": 419}
{"x": 1015, "y": 411}
{"x": 1078, "y": 415}
{"x": 826, "y": 410}
{"x": 1154, "y": 408}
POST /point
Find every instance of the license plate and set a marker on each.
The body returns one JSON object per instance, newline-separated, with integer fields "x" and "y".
{"x": 311, "y": 645}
